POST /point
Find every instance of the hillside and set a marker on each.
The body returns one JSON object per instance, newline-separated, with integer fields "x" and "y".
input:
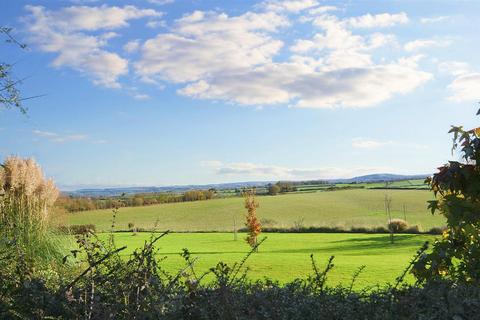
{"x": 358, "y": 207}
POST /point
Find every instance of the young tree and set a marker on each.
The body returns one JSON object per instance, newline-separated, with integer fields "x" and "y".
{"x": 252, "y": 223}
{"x": 456, "y": 185}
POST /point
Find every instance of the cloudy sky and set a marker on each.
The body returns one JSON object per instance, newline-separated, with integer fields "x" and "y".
{"x": 161, "y": 92}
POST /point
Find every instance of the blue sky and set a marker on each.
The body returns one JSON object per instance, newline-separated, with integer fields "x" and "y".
{"x": 165, "y": 92}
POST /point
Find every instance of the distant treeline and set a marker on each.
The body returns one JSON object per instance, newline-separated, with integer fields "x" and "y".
{"x": 74, "y": 204}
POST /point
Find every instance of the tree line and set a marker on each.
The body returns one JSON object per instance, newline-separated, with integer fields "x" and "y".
{"x": 75, "y": 204}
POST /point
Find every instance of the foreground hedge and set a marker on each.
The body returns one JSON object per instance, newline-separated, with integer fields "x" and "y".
{"x": 105, "y": 286}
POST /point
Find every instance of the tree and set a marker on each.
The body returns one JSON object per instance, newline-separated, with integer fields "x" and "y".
{"x": 456, "y": 186}
{"x": 9, "y": 94}
{"x": 273, "y": 189}
{"x": 252, "y": 223}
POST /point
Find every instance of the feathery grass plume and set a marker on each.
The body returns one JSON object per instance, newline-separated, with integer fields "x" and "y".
{"x": 24, "y": 207}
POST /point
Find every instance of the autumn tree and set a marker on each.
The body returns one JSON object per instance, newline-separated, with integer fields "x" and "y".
{"x": 252, "y": 223}
{"x": 456, "y": 186}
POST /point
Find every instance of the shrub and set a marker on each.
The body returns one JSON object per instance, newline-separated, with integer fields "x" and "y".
{"x": 380, "y": 230}
{"x": 437, "y": 230}
{"x": 397, "y": 225}
{"x": 266, "y": 222}
{"x": 131, "y": 225}
{"x": 81, "y": 228}
{"x": 413, "y": 229}
{"x": 360, "y": 230}
{"x": 299, "y": 223}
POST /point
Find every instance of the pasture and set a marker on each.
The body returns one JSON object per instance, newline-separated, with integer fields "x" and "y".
{"x": 344, "y": 208}
{"x": 284, "y": 257}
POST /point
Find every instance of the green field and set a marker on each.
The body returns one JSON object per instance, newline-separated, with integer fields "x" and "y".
{"x": 344, "y": 208}
{"x": 285, "y": 257}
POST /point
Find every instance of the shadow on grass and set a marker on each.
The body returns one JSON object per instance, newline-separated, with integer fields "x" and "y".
{"x": 354, "y": 246}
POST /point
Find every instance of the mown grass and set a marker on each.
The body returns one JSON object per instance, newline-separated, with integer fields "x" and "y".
{"x": 345, "y": 208}
{"x": 284, "y": 257}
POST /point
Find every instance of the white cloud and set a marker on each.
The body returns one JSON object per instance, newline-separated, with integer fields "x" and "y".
{"x": 132, "y": 46}
{"x": 219, "y": 57}
{"x": 141, "y": 96}
{"x": 207, "y": 43}
{"x": 289, "y": 5}
{"x": 156, "y": 24}
{"x": 365, "y": 143}
{"x": 372, "y": 144}
{"x": 64, "y": 31}
{"x": 465, "y": 87}
{"x": 378, "y": 21}
{"x": 58, "y": 138}
{"x": 246, "y": 170}
{"x": 434, "y": 19}
{"x": 454, "y": 68}
{"x": 160, "y": 2}
{"x": 419, "y": 44}
{"x": 321, "y": 10}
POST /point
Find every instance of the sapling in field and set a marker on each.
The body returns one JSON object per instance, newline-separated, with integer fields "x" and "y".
{"x": 252, "y": 223}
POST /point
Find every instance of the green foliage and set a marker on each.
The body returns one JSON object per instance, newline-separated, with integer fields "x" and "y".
{"x": 105, "y": 286}
{"x": 457, "y": 185}
{"x": 78, "y": 229}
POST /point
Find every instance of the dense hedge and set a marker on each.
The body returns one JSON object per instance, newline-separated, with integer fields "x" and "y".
{"x": 413, "y": 229}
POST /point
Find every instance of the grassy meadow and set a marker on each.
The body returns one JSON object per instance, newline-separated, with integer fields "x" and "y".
{"x": 345, "y": 208}
{"x": 285, "y": 257}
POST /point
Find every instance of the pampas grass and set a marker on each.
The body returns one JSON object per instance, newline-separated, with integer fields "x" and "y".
{"x": 26, "y": 198}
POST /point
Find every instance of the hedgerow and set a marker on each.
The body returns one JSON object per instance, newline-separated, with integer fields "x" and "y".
{"x": 103, "y": 285}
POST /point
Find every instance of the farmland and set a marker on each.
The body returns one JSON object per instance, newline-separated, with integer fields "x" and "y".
{"x": 344, "y": 208}
{"x": 284, "y": 257}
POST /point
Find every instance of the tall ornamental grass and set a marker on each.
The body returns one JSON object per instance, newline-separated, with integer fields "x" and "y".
{"x": 25, "y": 199}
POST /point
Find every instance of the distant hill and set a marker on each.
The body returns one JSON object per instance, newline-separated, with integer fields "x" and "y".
{"x": 116, "y": 191}
{"x": 379, "y": 177}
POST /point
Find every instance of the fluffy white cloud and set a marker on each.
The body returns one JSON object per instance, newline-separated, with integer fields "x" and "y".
{"x": 246, "y": 170}
{"x": 63, "y": 32}
{"x": 378, "y": 21}
{"x": 465, "y": 87}
{"x": 228, "y": 58}
{"x": 419, "y": 44}
{"x": 207, "y": 43}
